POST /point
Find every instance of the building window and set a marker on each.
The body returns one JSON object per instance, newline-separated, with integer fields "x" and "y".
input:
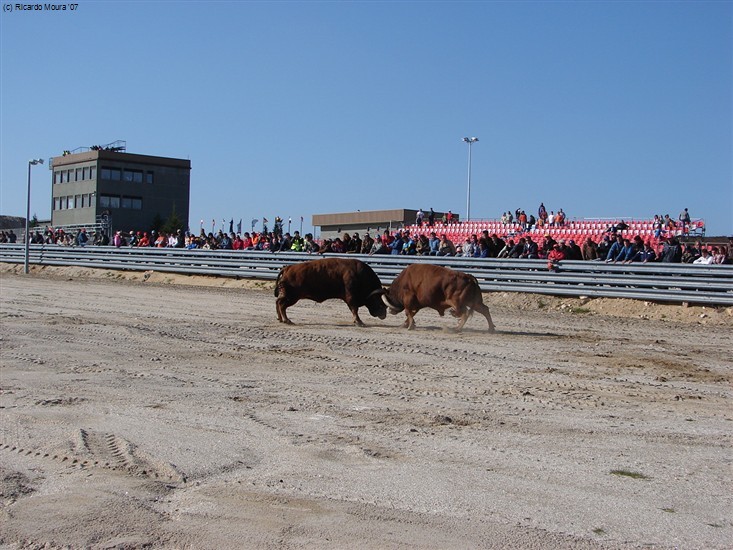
{"x": 134, "y": 176}
{"x": 57, "y": 203}
{"x": 92, "y": 172}
{"x": 85, "y": 173}
{"x": 133, "y": 203}
{"x": 148, "y": 177}
{"x": 112, "y": 174}
{"x": 109, "y": 201}
{"x": 78, "y": 175}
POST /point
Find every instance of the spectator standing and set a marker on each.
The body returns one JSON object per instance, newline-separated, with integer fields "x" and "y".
{"x": 658, "y": 226}
{"x": 560, "y": 218}
{"x": 684, "y": 218}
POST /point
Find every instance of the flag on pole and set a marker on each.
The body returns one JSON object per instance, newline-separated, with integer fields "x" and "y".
{"x": 264, "y": 219}
{"x": 239, "y": 226}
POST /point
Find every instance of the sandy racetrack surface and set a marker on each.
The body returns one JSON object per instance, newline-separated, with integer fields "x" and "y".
{"x": 140, "y": 414}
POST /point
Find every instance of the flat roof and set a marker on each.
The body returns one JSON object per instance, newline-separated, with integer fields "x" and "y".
{"x": 76, "y": 158}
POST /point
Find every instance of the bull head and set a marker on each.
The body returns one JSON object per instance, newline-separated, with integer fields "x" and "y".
{"x": 375, "y": 305}
{"x": 394, "y": 307}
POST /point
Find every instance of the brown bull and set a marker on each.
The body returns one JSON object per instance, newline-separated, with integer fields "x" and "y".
{"x": 350, "y": 280}
{"x": 427, "y": 285}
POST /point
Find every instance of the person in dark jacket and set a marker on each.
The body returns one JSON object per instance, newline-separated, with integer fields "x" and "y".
{"x": 672, "y": 251}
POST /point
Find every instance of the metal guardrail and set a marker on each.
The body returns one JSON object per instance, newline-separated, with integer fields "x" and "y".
{"x": 678, "y": 283}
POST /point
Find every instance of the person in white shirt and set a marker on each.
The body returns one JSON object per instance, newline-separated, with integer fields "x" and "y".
{"x": 706, "y": 258}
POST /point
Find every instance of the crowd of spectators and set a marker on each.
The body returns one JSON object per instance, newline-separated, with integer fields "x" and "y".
{"x": 613, "y": 247}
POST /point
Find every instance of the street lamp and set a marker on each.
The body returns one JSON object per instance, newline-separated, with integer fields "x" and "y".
{"x": 31, "y": 162}
{"x": 470, "y": 141}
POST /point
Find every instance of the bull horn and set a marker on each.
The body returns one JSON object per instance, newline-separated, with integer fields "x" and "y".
{"x": 388, "y": 302}
{"x": 377, "y": 292}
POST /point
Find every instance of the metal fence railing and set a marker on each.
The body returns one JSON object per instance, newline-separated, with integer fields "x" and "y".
{"x": 677, "y": 283}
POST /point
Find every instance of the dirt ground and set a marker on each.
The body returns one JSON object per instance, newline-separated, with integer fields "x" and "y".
{"x": 145, "y": 410}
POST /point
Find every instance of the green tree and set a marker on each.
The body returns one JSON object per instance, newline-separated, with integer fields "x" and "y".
{"x": 157, "y": 222}
{"x": 173, "y": 223}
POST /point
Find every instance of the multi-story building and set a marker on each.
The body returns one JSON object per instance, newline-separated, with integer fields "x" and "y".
{"x": 121, "y": 190}
{"x": 369, "y": 221}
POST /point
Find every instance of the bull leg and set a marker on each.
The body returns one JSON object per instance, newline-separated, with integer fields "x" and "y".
{"x": 483, "y": 309}
{"x": 410, "y": 322}
{"x": 357, "y": 321}
{"x": 462, "y": 320}
{"x": 281, "y": 304}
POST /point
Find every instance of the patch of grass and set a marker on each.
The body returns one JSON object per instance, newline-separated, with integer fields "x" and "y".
{"x": 579, "y": 310}
{"x": 669, "y": 510}
{"x": 599, "y": 531}
{"x": 541, "y": 305}
{"x": 628, "y": 473}
{"x": 714, "y": 524}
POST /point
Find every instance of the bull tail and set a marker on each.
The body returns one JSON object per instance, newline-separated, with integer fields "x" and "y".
{"x": 277, "y": 282}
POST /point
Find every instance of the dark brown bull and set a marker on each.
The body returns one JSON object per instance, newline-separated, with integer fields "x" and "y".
{"x": 427, "y": 285}
{"x": 350, "y": 280}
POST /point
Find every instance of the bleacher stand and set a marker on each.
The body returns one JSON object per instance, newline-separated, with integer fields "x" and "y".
{"x": 576, "y": 230}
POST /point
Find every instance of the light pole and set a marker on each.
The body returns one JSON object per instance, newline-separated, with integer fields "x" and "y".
{"x": 31, "y": 162}
{"x": 470, "y": 141}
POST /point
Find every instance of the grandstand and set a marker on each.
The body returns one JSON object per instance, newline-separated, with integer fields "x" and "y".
{"x": 577, "y": 230}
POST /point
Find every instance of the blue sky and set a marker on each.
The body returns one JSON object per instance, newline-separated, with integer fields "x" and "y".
{"x": 603, "y": 109}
